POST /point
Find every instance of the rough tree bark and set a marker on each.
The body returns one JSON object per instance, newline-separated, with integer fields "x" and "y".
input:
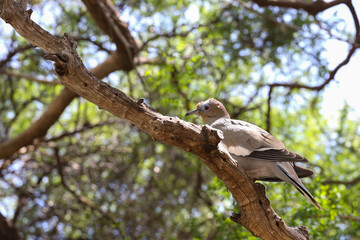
{"x": 256, "y": 213}
{"x": 124, "y": 58}
{"x": 106, "y": 16}
{"x": 39, "y": 128}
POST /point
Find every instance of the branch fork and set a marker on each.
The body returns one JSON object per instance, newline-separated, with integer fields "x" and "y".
{"x": 256, "y": 214}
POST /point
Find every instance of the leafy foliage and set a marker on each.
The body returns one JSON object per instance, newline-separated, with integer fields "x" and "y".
{"x": 93, "y": 176}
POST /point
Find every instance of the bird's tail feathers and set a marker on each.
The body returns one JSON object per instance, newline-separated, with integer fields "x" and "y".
{"x": 300, "y": 187}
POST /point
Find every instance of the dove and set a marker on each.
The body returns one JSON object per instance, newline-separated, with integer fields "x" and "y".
{"x": 261, "y": 155}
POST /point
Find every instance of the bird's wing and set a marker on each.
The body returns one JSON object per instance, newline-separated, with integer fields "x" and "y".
{"x": 245, "y": 139}
{"x": 277, "y": 155}
{"x": 301, "y": 172}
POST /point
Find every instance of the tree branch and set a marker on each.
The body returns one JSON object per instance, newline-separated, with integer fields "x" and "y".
{"x": 13, "y": 53}
{"x": 84, "y": 128}
{"x": 108, "y": 19}
{"x": 7, "y": 230}
{"x": 317, "y": 88}
{"x": 312, "y": 8}
{"x": 39, "y": 128}
{"x": 171, "y": 34}
{"x": 343, "y": 217}
{"x": 31, "y": 78}
{"x": 81, "y": 199}
{"x": 116, "y": 61}
{"x": 202, "y": 141}
{"x": 96, "y": 43}
{"x": 356, "y": 22}
{"x": 268, "y": 112}
{"x": 347, "y": 183}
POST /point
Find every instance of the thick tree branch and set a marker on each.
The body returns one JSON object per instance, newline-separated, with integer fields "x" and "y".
{"x": 108, "y": 19}
{"x": 312, "y": 7}
{"x": 39, "y": 128}
{"x": 356, "y": 23}
{"x": 7, "y": 230}
{"x": 118, "y": 60}
{"x": 255, "y": 211}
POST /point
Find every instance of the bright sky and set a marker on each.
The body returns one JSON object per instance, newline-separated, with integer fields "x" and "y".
{"x": 346, "y": 86}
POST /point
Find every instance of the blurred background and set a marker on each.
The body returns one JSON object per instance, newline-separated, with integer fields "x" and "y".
{"x": 90, "y": 175}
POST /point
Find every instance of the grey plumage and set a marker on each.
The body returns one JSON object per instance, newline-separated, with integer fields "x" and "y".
{"x": 260, "y": 154}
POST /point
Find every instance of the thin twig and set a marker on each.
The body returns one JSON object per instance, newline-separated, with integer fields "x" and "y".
{"x": 31, "y": 78}
{"x": 81, "y": 199}
{"x": 347, "y": 183}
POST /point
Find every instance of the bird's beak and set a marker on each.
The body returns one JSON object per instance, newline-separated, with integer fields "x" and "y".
{"x": 191, "y": 112}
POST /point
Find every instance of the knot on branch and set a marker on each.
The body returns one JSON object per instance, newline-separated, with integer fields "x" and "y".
{"x": 142, "y": 103}
{"x": 261, "y": 191}
{"x": 235, "y": 217}
{"x": 6, "y": 14}
{"x": 61, "y": 61}
{"x": 303, "y": 231}
{"x": 72, "y": 42}
{"x": 28, "y": 13}
{"x": 212, "y": 136}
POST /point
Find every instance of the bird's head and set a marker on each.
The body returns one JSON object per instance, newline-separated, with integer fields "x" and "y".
{"x": 210, "y": 111}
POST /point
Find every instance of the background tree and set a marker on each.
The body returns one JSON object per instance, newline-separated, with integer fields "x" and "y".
{"x": 70, "y": 170}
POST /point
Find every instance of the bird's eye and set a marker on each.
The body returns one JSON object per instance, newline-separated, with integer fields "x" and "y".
{"x": 206, "y": 107}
